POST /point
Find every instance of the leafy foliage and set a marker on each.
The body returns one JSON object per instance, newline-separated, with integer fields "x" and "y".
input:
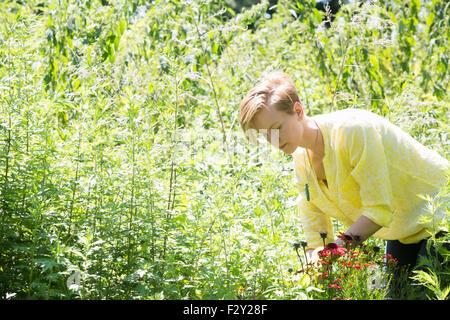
{"x": 121, "y": 156}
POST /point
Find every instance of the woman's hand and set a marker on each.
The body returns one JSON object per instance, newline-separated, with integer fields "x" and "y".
{"x": 338, "y": 242}
{"x": 313, "y": 256}
{"x": 363, "y": 228}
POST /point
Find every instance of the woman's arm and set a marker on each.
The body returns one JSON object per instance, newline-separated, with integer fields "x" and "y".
{"x": 363, "y": 227}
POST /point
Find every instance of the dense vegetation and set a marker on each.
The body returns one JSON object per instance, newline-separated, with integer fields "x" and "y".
{"x": 121, "y": 158}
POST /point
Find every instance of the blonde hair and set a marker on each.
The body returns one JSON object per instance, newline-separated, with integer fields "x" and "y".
{"x": 276, "y": 89}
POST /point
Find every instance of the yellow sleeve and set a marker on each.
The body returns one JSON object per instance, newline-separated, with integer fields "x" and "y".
{"x": 313, "y": 220}
{"x": 369, "y": 168}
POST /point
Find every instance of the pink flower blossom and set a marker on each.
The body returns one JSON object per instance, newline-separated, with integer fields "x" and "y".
{"x": 334, "y": 249}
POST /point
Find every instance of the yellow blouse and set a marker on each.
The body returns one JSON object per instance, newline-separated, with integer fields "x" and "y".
{"x": 375, "y": 169}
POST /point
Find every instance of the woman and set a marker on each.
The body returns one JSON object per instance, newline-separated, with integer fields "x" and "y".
{"x": 351, "y": 165}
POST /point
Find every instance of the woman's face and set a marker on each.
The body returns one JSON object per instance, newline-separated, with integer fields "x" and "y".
{"x": 288, "y": 127}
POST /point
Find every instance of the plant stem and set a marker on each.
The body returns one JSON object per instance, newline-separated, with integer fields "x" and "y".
{"x": 347, "y": 42}
{"x": 171, "y": 200}
{"x": 130, "y": 222}
{"x": 306, "y": 259}
{"x": 214, "y": 93}
{"x": 74, "y": 187}
{"x": 301, "y": 262}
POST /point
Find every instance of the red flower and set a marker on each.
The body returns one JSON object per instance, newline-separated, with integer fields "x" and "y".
{"x": 331, "y": 245}
{"x": 323, "y": 253}
{"x": 335, "y": 249}
{"x": 336, "y": 285}
{"x": 345, "y": 237}
{"x": 347, "y": 264}
{"x": 392, "y": 261}
{"x": 357, "y": 266}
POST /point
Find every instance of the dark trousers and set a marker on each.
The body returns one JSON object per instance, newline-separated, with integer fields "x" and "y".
{"x": 408, "y": 256}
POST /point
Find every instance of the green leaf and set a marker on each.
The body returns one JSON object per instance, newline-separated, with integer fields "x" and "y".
{"x": 122, "y": 27}
{"x": 261, "y": 49}
{"x": 374, "y": 61}
{"x": 430, "y": 19}
{"x": 77, "y": 253}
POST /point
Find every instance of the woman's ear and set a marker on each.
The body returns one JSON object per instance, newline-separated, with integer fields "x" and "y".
{"x": 298, "y": 110}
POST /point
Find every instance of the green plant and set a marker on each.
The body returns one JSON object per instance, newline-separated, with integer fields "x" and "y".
{"x": 121, "y": 157}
